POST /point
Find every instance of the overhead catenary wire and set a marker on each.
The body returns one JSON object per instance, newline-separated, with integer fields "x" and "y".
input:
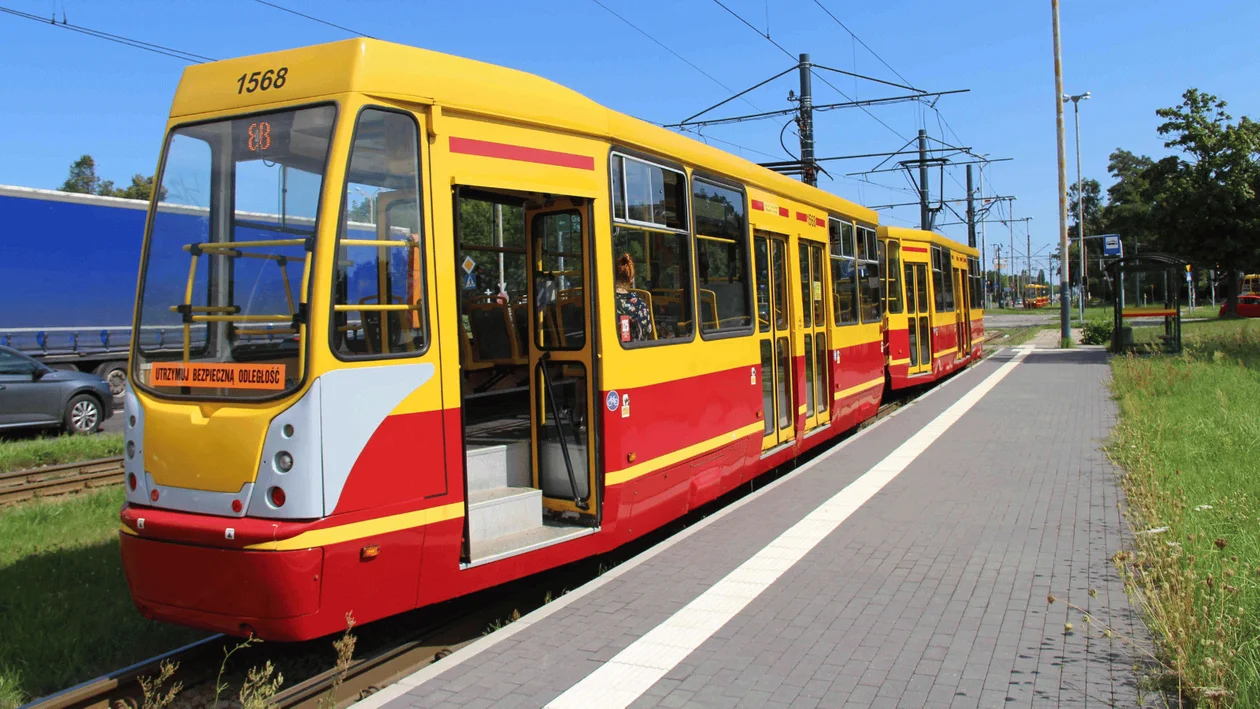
{"x": 110, "y": 37}
{"x": 662, "y": 45}
{"x": 313, "y": 18}
{"x": 859, "y": 41}
{"x": 820, "y": 77}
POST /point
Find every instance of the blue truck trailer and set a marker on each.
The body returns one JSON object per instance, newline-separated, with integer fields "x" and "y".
{"x": 68, "y": 266}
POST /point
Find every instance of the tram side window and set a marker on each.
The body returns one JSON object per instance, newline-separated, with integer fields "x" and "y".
{"x": 938, "y": 281}
{"x": 893, "y": 293}
{"x": 650, "y": 228}
{"x": 973, "y": 272}
{"x": 947, "y": 266}
{"x": 868, "y": 275}
{"x": 721, "y": 258}
{"x": 844, "y": 271}
{"x": 378, "y": 303}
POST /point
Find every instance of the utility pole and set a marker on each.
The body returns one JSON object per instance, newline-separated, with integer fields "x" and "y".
{"x": 1010, "y": 255}
{"x": 1065, "y": 330}
{"x": 807, "y": 124}
{"x": 971, "y": 211}
{"x": 1028, "y": 253}
{"x": 983, "y": 272}
{"x": 997, "y": 260}
{"x": 925, "y": 214}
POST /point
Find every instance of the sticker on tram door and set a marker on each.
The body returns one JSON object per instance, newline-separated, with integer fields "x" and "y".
{"x": 625, "y": 406}
{"x": 752, "y": 376}
{"x": 217, "y": 375}
{"x": 624, "y": 322}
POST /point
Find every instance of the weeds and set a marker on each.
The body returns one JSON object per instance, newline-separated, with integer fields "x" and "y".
{"x": 259, "y": 686}
{"x": 497, "y": 624}
{"x": 345, "y": 656}
{"x": 154, "y": 698}
{"x": 219, "y": 685}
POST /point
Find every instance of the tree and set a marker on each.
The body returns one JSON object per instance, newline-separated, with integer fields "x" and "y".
{"x": 1203, "y": 204}
{"x": 83, "y": 180}
{"x": 1093, "y": 210}
{"x": 82, "y": 177}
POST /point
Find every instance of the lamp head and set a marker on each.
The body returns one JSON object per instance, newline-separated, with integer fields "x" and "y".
{"x": 1085, "y": 95}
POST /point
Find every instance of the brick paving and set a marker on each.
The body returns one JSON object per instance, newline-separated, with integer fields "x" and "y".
{"x": 931, "y": 594}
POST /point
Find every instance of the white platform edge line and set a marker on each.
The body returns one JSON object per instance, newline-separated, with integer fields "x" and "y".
{"x": 486, "y": 642}
{"x": 631, "y": 672}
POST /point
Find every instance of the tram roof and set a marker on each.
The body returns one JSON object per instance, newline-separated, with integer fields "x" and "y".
{"x": 905, "y": 233}
{"x": 416, "y": 75}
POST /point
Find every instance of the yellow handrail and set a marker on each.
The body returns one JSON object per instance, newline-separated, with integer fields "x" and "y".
{"x": 219, "y": 245}
{"x": 380, "y": 243}
{"x": 241, "y": 318}
{"x": 374, "y": 307}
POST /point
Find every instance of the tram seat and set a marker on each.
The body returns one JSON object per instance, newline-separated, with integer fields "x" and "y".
{"x": 493, "y": 335}
{"x": 572, "y": 320}
{"x": 466, "y": 359}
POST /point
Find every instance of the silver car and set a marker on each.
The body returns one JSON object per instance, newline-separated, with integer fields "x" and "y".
{"x": 32, "y": 395}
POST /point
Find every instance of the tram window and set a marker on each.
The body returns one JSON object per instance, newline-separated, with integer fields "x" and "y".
{"x": 893, "y": 292}
{"x": 947, "y": 269}
{"x": 721, "y": 258}
{"x": 662, "y": 278}
{"x": 843, "y": 272}
{"x": 761, "y": 255}
{"x": 868, "y": 275}
{"x": 938, "y": 280}
{"x": 648, "y": 194}
{"x": 378, "y": 291}
{"x": 491, "y": 269}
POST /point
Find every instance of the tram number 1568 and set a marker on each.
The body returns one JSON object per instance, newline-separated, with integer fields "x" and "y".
{"x": 262, "y": 80}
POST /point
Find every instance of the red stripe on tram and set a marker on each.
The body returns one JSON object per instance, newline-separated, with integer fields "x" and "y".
{"x": 506, "y": 151}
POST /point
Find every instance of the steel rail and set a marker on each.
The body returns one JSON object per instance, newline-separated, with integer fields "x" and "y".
{"x": 23, "y": 485}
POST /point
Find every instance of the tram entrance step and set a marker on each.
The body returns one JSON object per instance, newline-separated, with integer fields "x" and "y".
{"x": 503, "y": 511}
{"x": 485, "y": 551}
{"x": 498, "y": 465}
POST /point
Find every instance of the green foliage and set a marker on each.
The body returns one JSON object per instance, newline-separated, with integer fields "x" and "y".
{"x": 1097, "y": 332}
{"x": 1186, "y": 439}
{"x": 1093, "y": 209}
{"x": 65, "y": 612}
{"x": 1203, "y": 200}
{"x": 21, "y": 454}
{"x": 83, "y": 180}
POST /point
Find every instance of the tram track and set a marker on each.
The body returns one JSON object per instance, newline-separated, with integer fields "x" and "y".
{"x": 54, "y": 480}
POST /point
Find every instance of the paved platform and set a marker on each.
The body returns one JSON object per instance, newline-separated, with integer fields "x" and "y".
{"x": 907, "y": 567}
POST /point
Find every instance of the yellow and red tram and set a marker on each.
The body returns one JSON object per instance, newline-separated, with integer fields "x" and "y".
{"x": 935, "y": 310}
{"x": 409, "y": 326}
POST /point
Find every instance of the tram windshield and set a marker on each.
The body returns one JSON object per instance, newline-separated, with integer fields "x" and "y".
{"x": 227, "y": 260}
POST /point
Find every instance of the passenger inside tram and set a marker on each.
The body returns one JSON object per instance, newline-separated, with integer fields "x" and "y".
{"x": 634, "y": 312}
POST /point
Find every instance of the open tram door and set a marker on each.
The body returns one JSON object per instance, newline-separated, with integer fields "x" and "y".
{"x": 919, "y": 316}
{"x": 770, "y": 258}
{"x": 813, "y": 321}
{"x": 561, "y": 358}
{"x": 963, "y": 310}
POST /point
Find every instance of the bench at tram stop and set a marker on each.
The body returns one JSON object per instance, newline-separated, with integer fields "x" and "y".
{"x": 1148, "y": 285}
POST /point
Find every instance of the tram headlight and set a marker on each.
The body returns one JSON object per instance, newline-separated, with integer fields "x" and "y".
{"x": 131, "y": 449}
{"x": 284, "y": 462}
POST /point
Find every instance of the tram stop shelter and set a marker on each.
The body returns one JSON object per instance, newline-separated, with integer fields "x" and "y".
{"x": 1150, "y": 287}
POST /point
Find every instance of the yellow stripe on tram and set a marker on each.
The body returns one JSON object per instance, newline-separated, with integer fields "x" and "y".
{"x": 650, "y": 466}
{"x": 859, "y": 388}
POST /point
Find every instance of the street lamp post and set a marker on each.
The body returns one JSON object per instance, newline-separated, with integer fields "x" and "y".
{"x": 1080, "y": 198}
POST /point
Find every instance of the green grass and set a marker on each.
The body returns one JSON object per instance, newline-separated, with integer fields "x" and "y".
{"x": 65, "y": 614}
{"x": 1188, "y": 436}
{"x": 19, "y": 454}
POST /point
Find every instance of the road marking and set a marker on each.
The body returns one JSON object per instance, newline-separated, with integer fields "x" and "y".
{"x": 634, "y": 670}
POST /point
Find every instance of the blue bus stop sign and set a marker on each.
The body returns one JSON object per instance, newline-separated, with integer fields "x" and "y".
{"x": 1111, "y": 246}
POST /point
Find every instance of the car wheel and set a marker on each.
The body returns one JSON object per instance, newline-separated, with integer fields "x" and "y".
{"x": 83, "y": 415}
{"x": 116, "y": 374}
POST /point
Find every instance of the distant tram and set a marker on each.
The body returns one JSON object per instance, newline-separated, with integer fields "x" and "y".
{"x": 444, "y": 324}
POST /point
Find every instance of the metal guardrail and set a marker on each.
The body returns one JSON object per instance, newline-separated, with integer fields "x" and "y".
{"x": 55, "y": 480}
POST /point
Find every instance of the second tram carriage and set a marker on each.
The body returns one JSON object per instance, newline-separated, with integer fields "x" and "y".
{"x": 443, "y": 324}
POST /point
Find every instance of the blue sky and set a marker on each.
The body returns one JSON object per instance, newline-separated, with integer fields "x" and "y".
{"x": 69, "y": 94}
